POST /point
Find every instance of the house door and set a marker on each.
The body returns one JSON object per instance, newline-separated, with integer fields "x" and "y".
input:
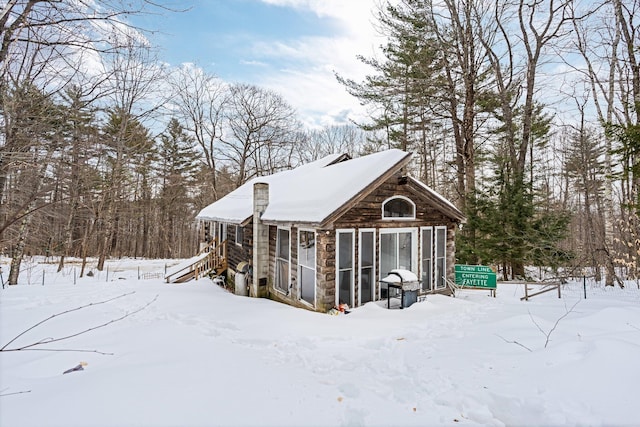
{"x": 397, "y": 250}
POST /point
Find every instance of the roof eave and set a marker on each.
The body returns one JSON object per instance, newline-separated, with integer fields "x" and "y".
{"x": 442, "y": 203}
{"x": 236, "y": 221}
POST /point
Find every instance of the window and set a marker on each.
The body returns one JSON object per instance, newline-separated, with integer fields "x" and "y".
{"x": 398, "y": 207}
{"x": 440, "y": 246}
{"x": 398, "y": 249}
{"x": 367, "y": 256}
{"x": 344, "y": 264}
{"x": 222, "y": 232}
{"x": 426, "y": 258}
{"x": 239, "y": 235}
{"x": 283, "y": 260}
{"x": 307, "y": 266}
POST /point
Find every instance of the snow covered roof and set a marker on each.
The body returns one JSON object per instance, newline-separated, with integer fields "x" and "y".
{"x": 309, "y": 193}
{"x": 237, "y": 206}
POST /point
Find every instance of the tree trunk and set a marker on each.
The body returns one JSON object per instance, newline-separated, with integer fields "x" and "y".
{"x": 18, "y": 251}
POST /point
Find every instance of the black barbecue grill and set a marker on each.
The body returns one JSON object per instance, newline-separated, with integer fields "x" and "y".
{"x": 405, "y": 282}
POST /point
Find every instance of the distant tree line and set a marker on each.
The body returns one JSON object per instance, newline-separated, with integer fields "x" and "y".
{"x": 106, "y": 152}
{"x": 481, "y": 90}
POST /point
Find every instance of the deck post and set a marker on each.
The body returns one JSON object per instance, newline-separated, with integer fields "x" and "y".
{"x": 260, "y": 241}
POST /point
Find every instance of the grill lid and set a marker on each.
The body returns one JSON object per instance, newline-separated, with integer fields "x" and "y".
{"x": 400, "y": 275}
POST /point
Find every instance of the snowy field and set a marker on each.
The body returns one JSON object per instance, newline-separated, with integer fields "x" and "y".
{"x": 200, "y": 356}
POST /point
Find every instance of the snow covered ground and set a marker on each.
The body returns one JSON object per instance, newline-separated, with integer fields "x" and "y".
{"x": 200, "y": 356}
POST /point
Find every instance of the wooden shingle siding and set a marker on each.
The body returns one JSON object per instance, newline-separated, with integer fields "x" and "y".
{"x": 368, "y": 212}
{"x": 236, "y": 253}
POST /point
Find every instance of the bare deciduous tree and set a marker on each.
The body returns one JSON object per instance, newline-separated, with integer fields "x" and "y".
{"x": 199, "y": 99}
{"x": 262, "y": 132}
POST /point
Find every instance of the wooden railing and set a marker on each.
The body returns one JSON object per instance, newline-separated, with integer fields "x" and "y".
{"x": 545, "y": 287}
{"x": 453, "y": 286}
{"x": 215, "y": 260}
{"x": 212, "y": 257}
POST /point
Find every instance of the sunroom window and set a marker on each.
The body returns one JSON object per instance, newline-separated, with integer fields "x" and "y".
{"x": 398, "y": 208}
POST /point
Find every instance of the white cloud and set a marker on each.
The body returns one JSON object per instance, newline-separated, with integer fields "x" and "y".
{"x": 308, "y": 80}
{"x": 253, "y": 63}
{"x": 346, "y": 10}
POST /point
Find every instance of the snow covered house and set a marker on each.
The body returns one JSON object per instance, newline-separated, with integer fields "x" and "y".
{"x": 326, "y": 232}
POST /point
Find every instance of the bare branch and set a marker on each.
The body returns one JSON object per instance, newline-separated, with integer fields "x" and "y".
{"x": 634, "y": 327}
{"x": 555, "y": 325}
{"x": 60, "y": 350}
{"x": 513, "y": 342}
{"x": 16, "y": 392}
{"x": 53, "y": 316}
{"x": 536, "y": 323}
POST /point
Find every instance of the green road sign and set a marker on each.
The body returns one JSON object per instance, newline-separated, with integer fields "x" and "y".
{"x": 475, "y": 276}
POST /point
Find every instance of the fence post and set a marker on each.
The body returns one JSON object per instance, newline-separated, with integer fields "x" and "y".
{"x": 584, "y": 285}
{"x": 74, "y": 275}
{"x": 42, "y": 277}
{"x": 138, "y": 272}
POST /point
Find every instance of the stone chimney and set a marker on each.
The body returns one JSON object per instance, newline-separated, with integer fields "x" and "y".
{"x": 260, "y": 241}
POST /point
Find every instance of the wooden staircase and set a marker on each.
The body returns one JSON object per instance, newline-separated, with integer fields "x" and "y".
{"x": 211, "y": 259}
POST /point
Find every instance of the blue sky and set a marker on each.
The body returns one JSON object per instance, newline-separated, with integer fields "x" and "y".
{"x": 290, "y": 46}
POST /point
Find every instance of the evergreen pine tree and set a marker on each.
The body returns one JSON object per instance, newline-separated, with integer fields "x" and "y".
{"x": 178, "y": 168}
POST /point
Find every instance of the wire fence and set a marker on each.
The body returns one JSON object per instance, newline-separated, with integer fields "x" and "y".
{"x": 588, "y": 287}
{"x": 44, "y": 272}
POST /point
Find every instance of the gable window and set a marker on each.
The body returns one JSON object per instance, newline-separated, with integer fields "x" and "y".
{"x": 398, "y": 207}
